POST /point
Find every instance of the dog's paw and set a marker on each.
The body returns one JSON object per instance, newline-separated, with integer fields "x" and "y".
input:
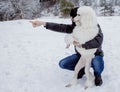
{"x": 72, "y": 83}
{"x": 68, "y": 85}
{"x": 67, "y": 46}
{"x": 85, "y": 87}
{"x": 89, "y": 84}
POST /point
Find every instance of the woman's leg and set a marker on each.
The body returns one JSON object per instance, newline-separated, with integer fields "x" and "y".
{"x": 69, "y": 62}
{"x": 98, "y": 67}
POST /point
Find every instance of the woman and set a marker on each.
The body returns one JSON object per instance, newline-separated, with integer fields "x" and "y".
{"x": 71, "y": 61}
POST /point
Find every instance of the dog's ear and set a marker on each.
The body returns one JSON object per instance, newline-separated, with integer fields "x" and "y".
{"x": 73, "y": 12}
{"x": 88, "y": 17}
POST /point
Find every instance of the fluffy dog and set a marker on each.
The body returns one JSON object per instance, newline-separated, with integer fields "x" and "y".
{"x": 86, "y": 29}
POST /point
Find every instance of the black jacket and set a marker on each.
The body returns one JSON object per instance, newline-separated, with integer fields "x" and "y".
{"x": 64, "y": 28}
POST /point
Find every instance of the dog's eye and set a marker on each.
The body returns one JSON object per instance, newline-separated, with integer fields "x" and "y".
{"x": 78, "y": 14}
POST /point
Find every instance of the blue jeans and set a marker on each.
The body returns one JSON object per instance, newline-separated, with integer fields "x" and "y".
{"x": 70, "y": 62}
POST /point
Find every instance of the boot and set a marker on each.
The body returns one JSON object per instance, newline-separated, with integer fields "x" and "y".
{"x": 81, "y": 73}
{"x": 98, "y": 80}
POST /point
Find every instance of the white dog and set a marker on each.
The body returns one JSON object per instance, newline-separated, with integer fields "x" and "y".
{"x": 85, "y": 30}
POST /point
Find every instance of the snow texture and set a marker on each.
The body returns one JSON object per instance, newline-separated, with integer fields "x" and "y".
{"x": 29, "y": 58}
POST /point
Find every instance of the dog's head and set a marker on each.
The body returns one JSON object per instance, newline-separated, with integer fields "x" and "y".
{"x": 86, "y": 17}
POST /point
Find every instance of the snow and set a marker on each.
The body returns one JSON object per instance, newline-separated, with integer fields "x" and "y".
{"x": 29, "y": 57}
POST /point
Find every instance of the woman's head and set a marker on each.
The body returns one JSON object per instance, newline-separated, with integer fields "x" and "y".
{"x": 73, "y": 12}
{"x": 84, "y": 16}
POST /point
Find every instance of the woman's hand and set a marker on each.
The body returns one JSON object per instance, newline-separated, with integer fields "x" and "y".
{"x": 75, "y": 43}
{"x": 37, "y": 23}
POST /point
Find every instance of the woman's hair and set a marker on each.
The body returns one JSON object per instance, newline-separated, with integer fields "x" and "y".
{"x": 73, "y": 12}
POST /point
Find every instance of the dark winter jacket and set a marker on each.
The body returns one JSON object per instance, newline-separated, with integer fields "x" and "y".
{"x": 94, "y": 43}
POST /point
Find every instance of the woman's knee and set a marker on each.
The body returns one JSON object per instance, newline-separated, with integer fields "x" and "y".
{"x": 62, "y": 64}
{"x": 69, "y": 62}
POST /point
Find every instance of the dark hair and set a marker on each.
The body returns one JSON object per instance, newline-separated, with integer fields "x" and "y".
{"x": 73, "y": 12}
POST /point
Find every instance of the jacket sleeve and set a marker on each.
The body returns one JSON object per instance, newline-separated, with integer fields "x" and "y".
{"x": 63, "y": 28}
{"x": 97, "y": 41}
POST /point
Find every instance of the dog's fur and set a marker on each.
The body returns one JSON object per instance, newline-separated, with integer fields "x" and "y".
{"x": 86, "y": 29}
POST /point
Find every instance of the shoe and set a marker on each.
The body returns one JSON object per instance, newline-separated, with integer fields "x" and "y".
{"x": 98, "y": 81}
{"x": 81, "y": 73}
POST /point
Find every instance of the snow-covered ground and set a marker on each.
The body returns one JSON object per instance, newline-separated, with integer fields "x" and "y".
{"x": 29, "y": 58}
